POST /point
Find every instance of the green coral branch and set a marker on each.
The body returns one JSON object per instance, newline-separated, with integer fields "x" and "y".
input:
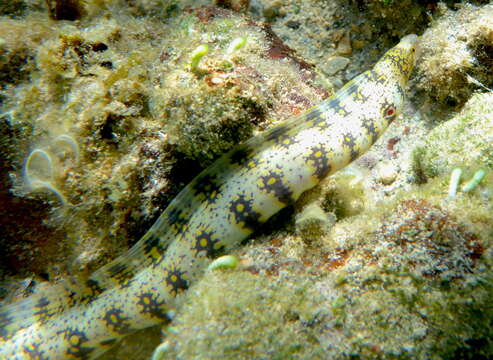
{"x": 474, "y": 182}
{"x": 454, "y": 182}
{"x": 224, "y": 262}
{"x": 197, "y": 55}
{"x": 468, "y": 186}
{"x": 236, "y": 44}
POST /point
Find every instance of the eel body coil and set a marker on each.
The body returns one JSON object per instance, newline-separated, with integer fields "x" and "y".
{"x": 217, "y": 210}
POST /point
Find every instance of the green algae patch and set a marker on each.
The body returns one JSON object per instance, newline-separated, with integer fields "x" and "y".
{"x": 465, "y": 141}
{"x": 224, "y": 318}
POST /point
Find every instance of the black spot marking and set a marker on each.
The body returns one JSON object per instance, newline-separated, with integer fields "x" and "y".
{"x": 42, "y": 312}
{"x": 33, "y": 352}
{"x": 176, "y": 280}
{"x": 370, "y": 75}
{"x": 42, "y": 302}
{"x": 153, "y": 246}
{"x": 178, "y": 220}
{"x": 272, "y": 183}
{"x": 277, "y": 131}
{"x": 241, "y": 155}
{"x": 400, "y": 90}
{"x": 152, "y": 242}
{"x": 5, "y": 320}
{"x": 125, "y": 279}
{"x": 375, "y": 77}
{"x": 369, "y": 125}
{"x": 360, "y": 96}
{"x": 205, "y": 242}
{"x": 151, "y": 306}
{"x": 319, "y": 160}
{"x": 117, "y": 322}
{"x": 335, "y": 105}
{"x": 208, "y": 186}
{"x": 396, "y": 56}
{"x": 321, "y": 123}
{"x": 313, "y": 114}
{"x": 243, "y": 214}
{"x": 252, "y": 163}
{"x": 94, "y": 287}
{"x": 286, "y": 141}
{"x": 350, "y": 142}
{"x": 121, "y": 273}
{"x": 351, "y": 88}
{"x": 76, "y": 339}
{"x": 318, "y": 118}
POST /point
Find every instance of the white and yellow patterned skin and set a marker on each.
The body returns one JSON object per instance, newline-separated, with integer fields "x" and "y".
{"x": 217, "y": 210}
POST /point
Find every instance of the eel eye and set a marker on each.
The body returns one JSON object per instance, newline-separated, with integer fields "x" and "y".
{"x": 390, "y": 112}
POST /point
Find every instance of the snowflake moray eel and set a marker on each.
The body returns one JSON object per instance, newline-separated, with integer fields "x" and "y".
{"x": 221, "y": 207}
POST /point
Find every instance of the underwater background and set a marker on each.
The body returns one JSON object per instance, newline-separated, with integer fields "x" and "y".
{"x": 109, "y": 108}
